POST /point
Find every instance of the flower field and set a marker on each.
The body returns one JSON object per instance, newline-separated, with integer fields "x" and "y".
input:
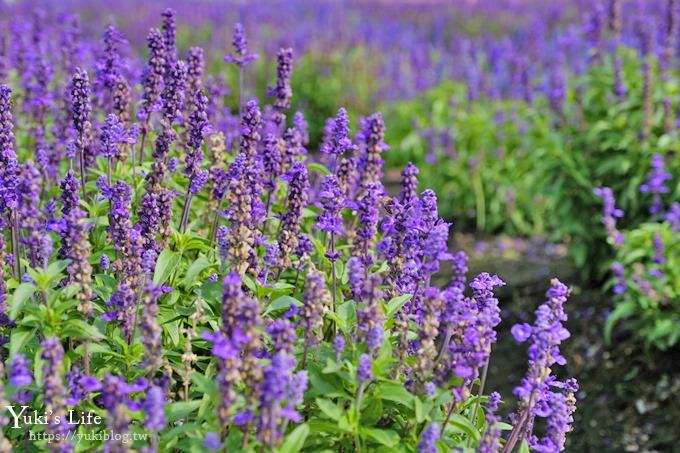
{"x": 359, "y": 226}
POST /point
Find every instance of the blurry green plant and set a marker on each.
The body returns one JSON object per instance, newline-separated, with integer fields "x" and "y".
{"x": 650, "y": 297}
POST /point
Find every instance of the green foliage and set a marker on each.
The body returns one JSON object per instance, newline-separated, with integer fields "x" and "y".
{"x": 651, "y": 300}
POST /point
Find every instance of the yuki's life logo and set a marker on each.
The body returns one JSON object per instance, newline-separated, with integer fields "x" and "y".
{"x": 25, "y": 417}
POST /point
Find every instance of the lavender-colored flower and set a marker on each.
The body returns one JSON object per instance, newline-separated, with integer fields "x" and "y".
{"x": 339, "y": 345}
{"x": 280, "y": 391}
{"x": 536, "y": 396}
{"x": 226, "y": 351}
{"x": 301, "y": 127}
{"x": 409, "y": 184}
{"x": 152, "y": 78}
{"x": 369, "y": 215}
{"x": 9, "y": 167}
{"x": 315, "y": 301}
{"x": 195, "y": 69}
{"x": 112, "y": 134}
{"x": 81, "y": 108}
{"x": 673, "y": 216}
{"x": 109, "y": 64}
{"x": 372, "y": 135}
{"x": 169, "y": 30}
{"x": 656, "y": 183}
{"x": 120, "y": 221}
{"x": 199, "y": 126}
{"x": 429, "y": 438}
{"x": 620, "y": 276}
{"x": 241, "y": 55}
{"x": 211, "y": 442}
{"x": 29, "y": 215}
{"x": 288, "y": 238}
{"x": 271, "y": 159}
{"x": 331, "y": 200}
{"x": 54, "y": 394}
{"x": 490, "y": 442}
{"x": 150, "y": 329}
{"x": 80, "y": 386}
{"x": 19, "y": 371}
{"x": 174, "y": 92}
{"x": 282, "y": 91}
{"x": 153, "y": 407}
{"x": 610, "y": 214}
{"x": 339, "y": 141}
{"x": 364, "y": 372}
{"x": 75, "y": 243}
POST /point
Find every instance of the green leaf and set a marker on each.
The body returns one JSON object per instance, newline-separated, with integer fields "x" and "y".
{"x": 329, "y": 408}
{"x": 165, "y": 265}
{"x": 623, "y": 310}
{"x": 20, "y": 336}
{"x": 78, "y": 328}
{"x": 314, "y": 166}
{"x": 462, "y": 425}
{"x": 19, "y": 298}
{"x": 280, "y": 303}
{"x": 396, "y": 393}
{"x": 296, "y": 439}
{"x": 204, "y": 384}
{"x": 387, "y": 437}
{"x": 524, "y": 447}
{"x": 181, "y": 409}
{"x": 395, "y": 304}
{"x": 199, "y": 265}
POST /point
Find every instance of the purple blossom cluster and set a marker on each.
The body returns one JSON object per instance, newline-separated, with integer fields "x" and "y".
{"x": 274, "y": 276}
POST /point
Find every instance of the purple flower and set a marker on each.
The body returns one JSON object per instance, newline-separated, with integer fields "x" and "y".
{"x": 656, "y": 183}
{"x": 173, "y": 94}
{"x": 112, "y": 134}
{"x": 152, "y": 77}
{"x": 280, "y": 391}
{"x": 105, "y": 262}
{"x": 169, "y": 29}
{"x": 241, "y": 55}
{"x": 521, "y": 332}
{"x": 331, "y": 201}
{"x": 610, "y": 214}
{"x": 9, "y": 168}
{"x": 301, "y": 128}
{"x": 211, "y": 442}
{"x": 369, "y": 215}
{"x": 315, "y": 300}
{"x": 339, "y": 344}
{"x": 620, "y": 275}
{"x": 288, "y": 238}
{"x": 19, "y": 371}
{"x": 409, "y": 184}
{"x": 81, "y": 108}
{"x": 282, "y": 91}
{"x": 339, "y": 142}
{"x": 673, "y": 216}
{"x": 54, "y": 393}
{"x": 429, "y": 438}
{"x": 153, "y": 406}
{"x": 364, "y": 372}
